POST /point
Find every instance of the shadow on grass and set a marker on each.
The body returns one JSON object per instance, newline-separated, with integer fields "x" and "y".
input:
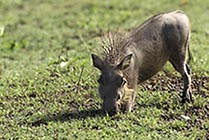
{"x": 68, "y": 116}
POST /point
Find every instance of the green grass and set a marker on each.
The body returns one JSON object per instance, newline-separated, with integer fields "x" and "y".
{"x": 40, "y": 99}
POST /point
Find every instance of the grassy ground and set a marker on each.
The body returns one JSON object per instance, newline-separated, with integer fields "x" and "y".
{"x": 48, "y": 87}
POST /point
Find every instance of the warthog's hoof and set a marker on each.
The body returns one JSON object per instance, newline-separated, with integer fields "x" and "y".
{"x": 187, "y": 97}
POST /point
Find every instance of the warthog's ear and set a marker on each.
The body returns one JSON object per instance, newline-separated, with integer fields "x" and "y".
{"x": 125, "y": 62}
{"x": 97, "y": 62}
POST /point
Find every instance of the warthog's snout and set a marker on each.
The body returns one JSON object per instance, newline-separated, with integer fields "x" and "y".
{"x": 110, "y": 107}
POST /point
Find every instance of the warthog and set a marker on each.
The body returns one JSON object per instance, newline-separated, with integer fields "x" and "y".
{"x": 133, "y": 57}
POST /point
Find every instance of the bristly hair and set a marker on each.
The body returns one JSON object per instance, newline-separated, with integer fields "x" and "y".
{"x": 113, "y": 44}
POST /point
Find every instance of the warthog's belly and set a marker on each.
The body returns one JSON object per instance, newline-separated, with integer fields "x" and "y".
{"x": 146, "y": 74}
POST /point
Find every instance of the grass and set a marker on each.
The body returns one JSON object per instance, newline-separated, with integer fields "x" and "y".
{"x": 48, "y": 87}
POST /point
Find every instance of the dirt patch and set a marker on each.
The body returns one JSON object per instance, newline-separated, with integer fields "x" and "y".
{"x": 170, "y": 83}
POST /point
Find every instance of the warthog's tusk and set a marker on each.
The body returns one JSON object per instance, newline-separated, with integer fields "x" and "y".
{"x": 127, "y": 94}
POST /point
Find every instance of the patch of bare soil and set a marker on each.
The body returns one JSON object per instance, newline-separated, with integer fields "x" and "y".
{"x": 170, "y": 83}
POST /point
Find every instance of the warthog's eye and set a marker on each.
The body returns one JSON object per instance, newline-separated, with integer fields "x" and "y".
{"x": 121, "y": 81}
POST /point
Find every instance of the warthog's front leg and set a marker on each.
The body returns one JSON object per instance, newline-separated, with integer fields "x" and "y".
{"x": 131, "y": 102}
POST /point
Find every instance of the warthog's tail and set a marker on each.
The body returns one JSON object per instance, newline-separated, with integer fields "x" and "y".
{"x": 190, "y": 57}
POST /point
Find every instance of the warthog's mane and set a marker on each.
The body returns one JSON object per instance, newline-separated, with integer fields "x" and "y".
{"x": 113, "y": 44}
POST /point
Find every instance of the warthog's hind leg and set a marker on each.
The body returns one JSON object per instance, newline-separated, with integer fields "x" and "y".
{"x": 185, "y": 71}
{"x": 187, "y": 95}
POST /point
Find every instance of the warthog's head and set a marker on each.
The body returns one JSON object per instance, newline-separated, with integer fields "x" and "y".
{"x": 111, "y": 82}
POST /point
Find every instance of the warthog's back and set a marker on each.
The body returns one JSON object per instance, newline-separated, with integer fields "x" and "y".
{"x": 155, "y": 40}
